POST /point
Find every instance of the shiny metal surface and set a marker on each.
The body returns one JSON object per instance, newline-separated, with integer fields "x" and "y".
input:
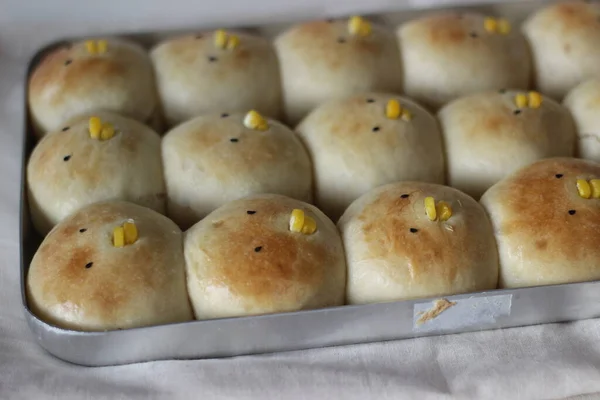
{"x": 308, "y": 329}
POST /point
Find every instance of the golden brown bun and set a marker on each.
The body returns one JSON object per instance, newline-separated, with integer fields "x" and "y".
{"x": 395, "y": 252}
{"x": 78, "y": 280}
{"x": 195, "y": 77}
{"x": 211, "y": 160}
{"x": 242, "y": 259}
{"x": 487, "y": 137}
{"x": 70, "y": 82}
{"x": 448, "y": 55}
{"x": 355, "y": 148}
{"x": 68, "y": 170}
{"x": 546, "y": 233}
{"x": 564, "y": 41}
{"x": 321, "y": 61}
{"x": 584, "y": 103}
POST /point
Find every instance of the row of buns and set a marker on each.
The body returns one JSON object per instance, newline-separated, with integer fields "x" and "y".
{"x": 116, "y": 265}
{"x": 433, "y": 59}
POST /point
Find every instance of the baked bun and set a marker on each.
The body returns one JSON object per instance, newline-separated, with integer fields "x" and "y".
{"x": 111, "y": 265}
{"x": 397, "y": 248}
{"x": 367, "y": 140}
{"x": 264, "y": 254}
{"x": 112, "y": 75}
{"x": 489, "y": 135}
{"x": 547, "y": 233}
{"x": 584, "y": 104}
{"x": 217, "y": 158}
{"x": 324, "y": 60}
{"x": 217, "y": 72}
{"x": 80, "y": 164}
{"x": 448, "y": 55}
{"x": 564, "y": 41}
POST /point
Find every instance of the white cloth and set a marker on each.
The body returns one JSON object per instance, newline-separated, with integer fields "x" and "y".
{"x": 541, "y": 362}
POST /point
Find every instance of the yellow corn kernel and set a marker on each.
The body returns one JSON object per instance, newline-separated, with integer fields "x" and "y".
{"x": 535, "y": 100}
{"x": 430, "y": 208}
{"x": 444, "y": 211}
{"x": 297, "y": 220}
{"x": 310, "y": 226}
{"x": 504, "y": 27}
{"x": 406, "y": 115}
{"x": 233, "y": 42}
{"x": 595, "y": 184}
{"x": 490, "y": 25}
{"x": 102, "y": 46}
{"x": 359, "y": 27}
{"x": 95, "y": 126}
{"x": 107, "y": 132}
{"x": 90, "y": 46}
{"x": 393, "y": 110}
{"x": 220, "y": 38}
{"x": 584, "y": 189}
{"x": 521, "y": 100}
{"x": 119, "y": 236}
{"x": 131, "y": 232}
{"x": 253, "y": 120}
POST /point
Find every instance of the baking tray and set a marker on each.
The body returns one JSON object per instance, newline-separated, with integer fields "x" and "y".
{"x": 306, "y": 329}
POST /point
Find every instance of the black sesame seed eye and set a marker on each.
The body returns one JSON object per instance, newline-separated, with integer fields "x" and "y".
{"x": 502, "y": 91}
{"x": 330, "y": 20}
{"x": 517, "y": 112}
{"x": 89, "y": 265}
{"x": 559, "y": 176}
{"x": 473, "y": 34}
{"x": 414, "y": 230}
{"x": 224, "y": 115}
{"x": 250, "y": 212}
{"x": 257, "y": 249}
{"x": 199, "y": 36}
{"x": 212, "y": 59}
{"x": 341, "y": 40}
{"x": 67, "y": 158}
{"x": 66, "y": 128}
{"x": 370, "y": 100}
{"x": 375, "y": 129}
{"x": 234, "y": 140}
{"x": 69, "y": 61}
{"x": 82, "y": 230}
{"x": 404, "y": 196}
{"x": 572, "y": 212}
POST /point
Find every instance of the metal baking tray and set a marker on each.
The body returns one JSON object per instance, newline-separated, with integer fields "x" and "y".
{"x": 307, "y": 329}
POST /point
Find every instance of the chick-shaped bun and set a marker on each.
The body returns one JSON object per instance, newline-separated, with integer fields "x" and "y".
{"x": 546, "y": 219}
{"x": 264, "y": 254}
{"x": 564, "y": 41}
{"x": 365, "y": 141}
{"x": 217, "y": 158}
{"x": 584, "y": 104}
{"x": 105, "y": 74}
{"x": 489, "y": 135}
{"x": 324, "y": 60}
{"x": 412, "y": 239}
{"x": 111, "y": 265}
{"x": 215, "y": 71}
{"x": 94, "y": 158}
{"x": 448, "y": 55}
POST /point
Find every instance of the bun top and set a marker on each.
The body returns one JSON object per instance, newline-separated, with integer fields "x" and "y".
{"x": 78, "y": 279}
{"x": 546, "y": 231}
{"x": 112, "y": 75}
{"x": 583, "y": 101}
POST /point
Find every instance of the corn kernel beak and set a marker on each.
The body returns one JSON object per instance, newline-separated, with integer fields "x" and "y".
{"x": 221, "y": 39}
{"x": 535, "y": 100}
{"x": 107, "y": 132}
{"x": 131, "y": 232}
{"x": 91, "y": 47}
{"x": 233, "y": 42}
{"x": 521, "y": 100}
{"x": 595, "y": 184}
{"x": 490, "y": 25}
{"x": 119, "y": 236}
{"x": 297, "y": 220}
{"x": 584, "y": 189}
{"x": 253, "y": 120}
{"x": 430, "y": 208}
{"x": 102, "y": 46}
{"x": 95, "y": 127}
{"x": 504, "y": 27}
{"x": 357, "y": 26}
{"x": 310, "y": 226}
{"x": 443, "y": 210}
{"x": 393, "y": 110}
{"x": 406, "y": 115}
